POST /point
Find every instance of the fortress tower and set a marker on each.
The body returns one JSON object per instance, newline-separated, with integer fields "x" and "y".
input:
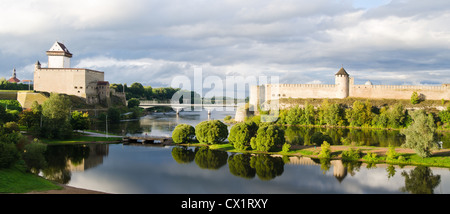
{"x": 59, "y": 56}
{"x": 342, "y": 81}
{"x": 59, "y": 77}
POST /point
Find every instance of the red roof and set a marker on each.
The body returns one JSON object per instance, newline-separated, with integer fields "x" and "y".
{"x": 13, "y": 79}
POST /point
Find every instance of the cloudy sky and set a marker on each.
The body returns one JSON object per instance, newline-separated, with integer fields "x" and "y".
{"x": 300, "y": 41}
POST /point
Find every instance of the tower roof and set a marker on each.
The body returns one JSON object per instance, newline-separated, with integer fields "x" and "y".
{"x": 59, "y": 49}
{"x": 342, "y": 72}
{"x": 13, "y": 78}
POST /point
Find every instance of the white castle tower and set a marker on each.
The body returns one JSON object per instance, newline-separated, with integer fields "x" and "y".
{"x": 342, "y": 82}
{"x": 59, "y": 56}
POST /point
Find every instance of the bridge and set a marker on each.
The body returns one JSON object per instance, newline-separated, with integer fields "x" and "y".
{"x": 179, "y": 106}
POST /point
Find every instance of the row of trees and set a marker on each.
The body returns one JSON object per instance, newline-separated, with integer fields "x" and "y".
{"x": 5, "y": 85}
{"x": 360, "y": 114}
{"x": 54, "y": 118}
{"x": 245, "y": 135}
{"x": 137, "y": 90}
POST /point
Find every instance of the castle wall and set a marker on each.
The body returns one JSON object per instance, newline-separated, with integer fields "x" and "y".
{"x": 300, "y": 91}
{"x": 399, "y": 91}
{"x": 70, "y": 81}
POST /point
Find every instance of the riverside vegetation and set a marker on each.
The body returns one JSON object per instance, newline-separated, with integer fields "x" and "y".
{"x": 418, "y": 127}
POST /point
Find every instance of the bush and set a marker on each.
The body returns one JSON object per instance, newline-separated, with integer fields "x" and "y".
{"x": 268, "y": 138}
{"x": 183, "y": 133}
{"x": 391, "y": 154}
{"x": 211, "y": 132}
{"x": 241, "y": 134}
{"x": 415, "y": 99}
{"x": 8, "y": 154}
{"x": 371, "y": 157}
{"x": 286, "y": 147}
{"x": 351, "y": 154}
{"x": 325, "y": 152}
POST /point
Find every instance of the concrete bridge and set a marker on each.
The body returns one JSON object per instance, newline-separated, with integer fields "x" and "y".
{"x": 180, "y": 106}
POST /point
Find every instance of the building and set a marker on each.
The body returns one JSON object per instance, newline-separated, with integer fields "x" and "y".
{"x": 344, "y": 87}
{"x": 13, "y": 78}
{"x": 59, "y": 77}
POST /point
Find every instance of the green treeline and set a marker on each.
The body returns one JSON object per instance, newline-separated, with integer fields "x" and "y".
{"x": 360, "y": 114}
{"x": 137, "y": 90}
{"x": 5, "y": 85}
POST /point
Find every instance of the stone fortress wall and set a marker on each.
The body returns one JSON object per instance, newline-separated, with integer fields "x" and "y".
{"x": 59, "y": 77}
{"x": 344, "y": 87}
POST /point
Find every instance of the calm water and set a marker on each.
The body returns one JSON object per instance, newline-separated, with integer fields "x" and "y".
{"x": 119, "y": 168}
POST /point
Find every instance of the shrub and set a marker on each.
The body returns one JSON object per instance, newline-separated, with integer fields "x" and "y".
{"x": 8, "y": 154}
{"x": 351, "y": 154}
{"x": 391, "y": 154}
{"x": 183, "y": 133}
{"x": 211, "y": 132}
{"x": 241, "y": 134}
{"x": 415, "y": 98}
{"x": 371, "y": 157}
{"x": 268, "y": 138}
{"x": 286, "y": 147}
{"x": 325, "y": 152}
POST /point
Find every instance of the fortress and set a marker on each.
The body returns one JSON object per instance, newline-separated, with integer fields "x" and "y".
{"x": 60, "y": 78}
{"x": 344, "y": 87}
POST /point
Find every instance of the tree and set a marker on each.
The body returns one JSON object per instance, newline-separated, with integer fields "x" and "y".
{"x": 136, "y": 90}
{"x": 80, "y": 120}
{"x": 268, "y": 138}
{"x": 325, "y": 150}
{"x": 56, "y": 121}
{"x": 241, "y": 134}
{"x": 211, "y": 132}
{"x": 133, "y": 102}
{"x": 415, "y": 98}
{"x": 183, "y": 133}
{"x": 420, "y": 134}
{"x": 360, "y": 114}
{"x": 445, "y": 117}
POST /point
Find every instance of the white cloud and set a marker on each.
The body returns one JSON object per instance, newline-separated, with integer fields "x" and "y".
{"x": 301, "y": 41}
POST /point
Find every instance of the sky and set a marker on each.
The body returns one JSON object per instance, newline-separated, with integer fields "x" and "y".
{"x": 399, "y": 42}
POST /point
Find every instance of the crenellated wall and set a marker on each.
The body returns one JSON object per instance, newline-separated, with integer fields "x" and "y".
{"x": 399, "y": 91}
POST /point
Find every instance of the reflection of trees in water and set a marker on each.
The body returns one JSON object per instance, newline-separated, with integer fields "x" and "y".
{"x": 207, "y": 158}
{"x": 242, "y": 165}
{"x": 57, "y": 158}
{"x": 183, "y": 154}
{"x": 267, "y": 167}
{"x": 420, "y": 181}
{"x": 239, "y": 165}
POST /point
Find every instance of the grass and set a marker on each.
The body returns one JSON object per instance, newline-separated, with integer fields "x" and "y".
{"x": 81, "y": 139}
{"x": 17, "y": 180}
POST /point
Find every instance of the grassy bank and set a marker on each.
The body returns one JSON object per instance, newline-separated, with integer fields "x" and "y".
{"x": 82, "y": 139}
{"x": 17, "y": 180}
{"x": 440, "y": 158}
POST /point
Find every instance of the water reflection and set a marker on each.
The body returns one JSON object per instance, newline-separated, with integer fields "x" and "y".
{"x": 64, "y": 162}
{"x": 420, "y": 181}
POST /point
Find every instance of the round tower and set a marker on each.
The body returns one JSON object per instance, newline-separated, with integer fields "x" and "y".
{"x": 342, "y": 81}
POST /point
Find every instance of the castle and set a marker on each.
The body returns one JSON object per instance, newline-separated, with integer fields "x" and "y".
{"x": 59, "y": 77}
{"x": 344, "y": 87}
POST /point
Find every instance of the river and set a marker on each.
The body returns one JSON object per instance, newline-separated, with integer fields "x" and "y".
{"x": 140, "y": 169}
